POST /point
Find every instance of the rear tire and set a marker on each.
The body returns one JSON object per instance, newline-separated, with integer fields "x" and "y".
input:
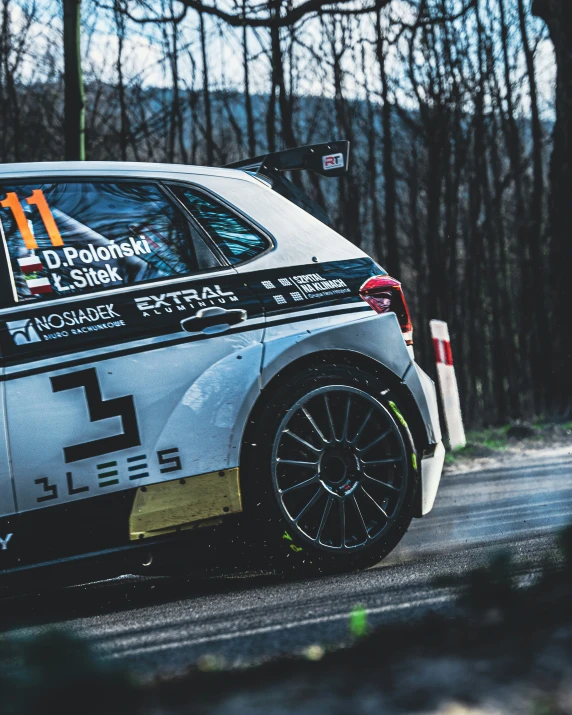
{"x": 330, "y": 472}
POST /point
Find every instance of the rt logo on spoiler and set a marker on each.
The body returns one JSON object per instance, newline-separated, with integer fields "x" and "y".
{"x": 333, "y": 161}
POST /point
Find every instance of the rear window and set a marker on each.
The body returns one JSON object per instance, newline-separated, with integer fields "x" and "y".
{"x": 236, "y": 238}
{"x": 65, "y": 238}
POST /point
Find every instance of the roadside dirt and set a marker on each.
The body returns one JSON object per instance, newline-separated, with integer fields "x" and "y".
{"x": 494, "y": 448}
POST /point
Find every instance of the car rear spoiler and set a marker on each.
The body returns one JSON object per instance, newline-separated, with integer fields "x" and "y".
{"x": 327, "y": 159}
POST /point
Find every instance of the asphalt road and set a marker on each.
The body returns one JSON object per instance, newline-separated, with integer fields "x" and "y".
{"x": 163, "y": 625}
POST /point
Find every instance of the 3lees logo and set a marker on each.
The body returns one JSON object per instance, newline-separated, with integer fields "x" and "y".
{"x": 4, "y": 542}
{"x": 100, "y": 409}
{"x": 108, "y": 471}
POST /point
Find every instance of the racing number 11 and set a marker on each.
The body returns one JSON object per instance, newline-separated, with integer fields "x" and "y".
{"x": 38, "y": 199}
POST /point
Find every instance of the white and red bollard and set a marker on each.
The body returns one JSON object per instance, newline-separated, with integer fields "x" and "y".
{"x": 448, "y": 384}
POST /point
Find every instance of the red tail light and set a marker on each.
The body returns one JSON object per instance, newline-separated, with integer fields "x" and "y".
{"x": 384, "y": 295}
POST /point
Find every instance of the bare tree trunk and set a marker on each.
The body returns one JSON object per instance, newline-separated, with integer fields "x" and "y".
{"x": 393, "y": 258}
{"x": 74, "y": 112}
{"x": 206, "y": 94}
{"x": 247, "y": 98}
{"x": 123, "y": 117}
{"x": 535, "y": 301}
{"x": 11, "y": 110}
{"x": 271, "y": 109}
{"x": 558, "y": 16}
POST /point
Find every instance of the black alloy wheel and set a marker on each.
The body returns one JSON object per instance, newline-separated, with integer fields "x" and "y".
{"x": 334, "y": 472}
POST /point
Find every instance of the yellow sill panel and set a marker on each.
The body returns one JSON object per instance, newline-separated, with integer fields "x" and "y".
{"x": 184, "y": 504}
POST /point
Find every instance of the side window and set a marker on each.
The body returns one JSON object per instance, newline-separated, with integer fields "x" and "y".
{"x": 236, "y": 238}
{"x": 68, "y": 238}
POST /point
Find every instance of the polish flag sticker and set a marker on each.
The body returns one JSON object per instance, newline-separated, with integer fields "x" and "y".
{"x": 30, "y": 264}
{"x": 39, "y": 285}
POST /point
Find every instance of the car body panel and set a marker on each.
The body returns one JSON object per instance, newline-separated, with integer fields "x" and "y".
{"x": 144, "y": 356}
{"x": 7, "y": 503}
{"x": 173, "y": 439}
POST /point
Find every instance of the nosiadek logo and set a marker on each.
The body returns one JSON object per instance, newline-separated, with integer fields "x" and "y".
{"x": 333, "y": 161}
{"x": 23, "y": 332}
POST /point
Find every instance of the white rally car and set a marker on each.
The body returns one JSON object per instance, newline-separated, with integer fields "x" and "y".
{"x": 186, "y": 355}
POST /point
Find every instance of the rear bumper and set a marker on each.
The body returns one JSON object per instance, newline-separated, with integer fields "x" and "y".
{"x": 431, "y": 470}
{"x": 423, "y": 390}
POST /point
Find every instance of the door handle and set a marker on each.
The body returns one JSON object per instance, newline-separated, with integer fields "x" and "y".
{"x": 213, "y": 320}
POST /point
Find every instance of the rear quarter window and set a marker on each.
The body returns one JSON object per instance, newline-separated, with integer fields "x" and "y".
{"x": 237, "y": 239}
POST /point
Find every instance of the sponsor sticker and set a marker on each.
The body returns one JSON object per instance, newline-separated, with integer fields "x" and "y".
{"x": 183, "y": 300}
{"x": 333, "y": 161}
{"x": 63, "y": 324}
{"x": 23, "y": 332}
{"x": 308, "y": 286}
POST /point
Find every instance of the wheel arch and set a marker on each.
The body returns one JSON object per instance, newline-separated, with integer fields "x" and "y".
{"x": 395, "y": 384}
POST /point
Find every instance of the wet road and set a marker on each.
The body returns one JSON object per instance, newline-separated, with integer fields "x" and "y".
{"x": 160, "y": 624}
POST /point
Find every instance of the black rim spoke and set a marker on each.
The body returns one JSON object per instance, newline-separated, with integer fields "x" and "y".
{"x": 383, "y": 484}
{"x": 342, "y": 503}
{"x": 318, "y": 468}
{"x": 314, "y": 425}
{"x": 377, "y": 440}
{"x": 309, "y": 505}
{"x": 300, "y": 485}
{"x": 388, "y": 460}
{"x": 346, "y": 420}
{"x": 363, "y": 426}
{"x": 367, "y": 536}
{"x": 302, "y": 441}
{"x": 330, "y": 419}
{"x": 324, "y": 519}
{"x": 298, "y": 463}
{"x": 381, "y": 509}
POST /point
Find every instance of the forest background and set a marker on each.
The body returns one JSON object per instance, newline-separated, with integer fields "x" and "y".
{"x": 459, "y": 113}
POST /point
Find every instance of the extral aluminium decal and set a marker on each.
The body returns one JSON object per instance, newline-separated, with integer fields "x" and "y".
{"x": 183, "y": 300}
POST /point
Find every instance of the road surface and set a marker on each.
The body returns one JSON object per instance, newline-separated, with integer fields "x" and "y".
{"x": 161, "y": 625}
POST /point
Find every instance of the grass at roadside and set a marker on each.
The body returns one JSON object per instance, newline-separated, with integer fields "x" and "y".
{"x": 510, "y": 438}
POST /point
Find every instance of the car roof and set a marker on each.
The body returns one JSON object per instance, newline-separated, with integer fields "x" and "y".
{"x": 113, "y": 168}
